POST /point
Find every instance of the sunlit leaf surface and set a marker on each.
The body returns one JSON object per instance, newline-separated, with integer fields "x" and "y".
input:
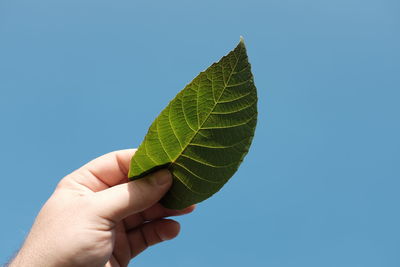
{"x": 204, "y": 133}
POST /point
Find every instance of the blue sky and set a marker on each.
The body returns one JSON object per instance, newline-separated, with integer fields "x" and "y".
{"x": 320, "y": 185}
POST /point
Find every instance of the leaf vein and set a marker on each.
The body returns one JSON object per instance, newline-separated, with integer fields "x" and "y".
{"x": 232, "y": 100}
{"x": 137, "y": 164}
{"x": 230, "y": 126}
{"x": 195, "y": 175}
{"x": 217, "y": 147}
{"x": 161, "y": 142}
{"x": 238, "y": 84}
{"x": 148, "y": 154}
{"x": 197, "y": 106}
{"x": 188, "y": 187}
{"x": 207, "y": 163}
{"x": 185, "y": 116}
{"x": 172, "y": 127}
{"x": 234, "y": 111}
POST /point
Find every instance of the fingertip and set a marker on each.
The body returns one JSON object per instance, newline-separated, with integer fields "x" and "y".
{"x": 162, "y": 177}
{"x": 168, "y": 229}
{"x": 190, "y": 208}
{"x": 187, "y": 210}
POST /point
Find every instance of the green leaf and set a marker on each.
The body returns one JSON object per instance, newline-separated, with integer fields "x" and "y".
{"x": 204, "y": 133}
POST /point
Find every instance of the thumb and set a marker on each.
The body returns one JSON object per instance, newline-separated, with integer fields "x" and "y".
{"x": 120, "y": 201}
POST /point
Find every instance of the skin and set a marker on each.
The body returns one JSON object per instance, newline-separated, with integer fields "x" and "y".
{"x": 95, "y": 217}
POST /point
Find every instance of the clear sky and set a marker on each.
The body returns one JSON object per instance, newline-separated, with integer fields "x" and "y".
{"x": 321, "y": 183}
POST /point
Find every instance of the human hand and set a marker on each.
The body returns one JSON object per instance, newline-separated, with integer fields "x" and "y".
{"x": 95, "y": 217}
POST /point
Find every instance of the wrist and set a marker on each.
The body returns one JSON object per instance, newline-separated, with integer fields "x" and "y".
{"x": 32, "y": 258}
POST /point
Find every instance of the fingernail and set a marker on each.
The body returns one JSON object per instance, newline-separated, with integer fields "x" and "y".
{"x": 162, "y": 177}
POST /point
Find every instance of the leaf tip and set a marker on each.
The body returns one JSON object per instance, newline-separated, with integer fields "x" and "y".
{"x": 241, "y": 42}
